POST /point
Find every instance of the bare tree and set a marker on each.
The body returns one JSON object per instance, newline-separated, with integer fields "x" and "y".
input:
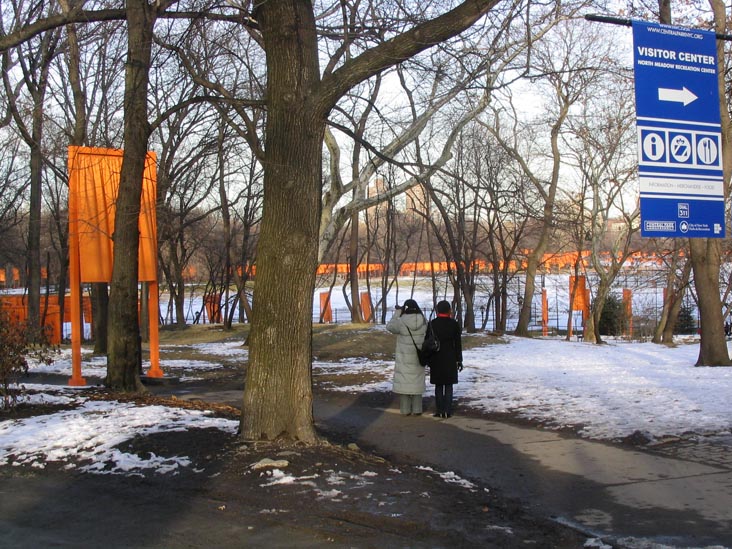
{"x": 25, "y": 80}
{"x": 678, "y": 272}
{"x": 13, "y": 194}
{"x": 563, "y": 66}
{"x": 124, "y": 351}
{"x": 299, "y": 99}
{"x": 601, "y": 152}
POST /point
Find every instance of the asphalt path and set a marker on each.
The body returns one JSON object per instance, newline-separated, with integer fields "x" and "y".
{"x": 679, "y": 495}
{"x": 615, "y": 492}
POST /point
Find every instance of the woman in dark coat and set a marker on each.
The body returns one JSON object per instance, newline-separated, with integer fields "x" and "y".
{"x": 448, "y": 361}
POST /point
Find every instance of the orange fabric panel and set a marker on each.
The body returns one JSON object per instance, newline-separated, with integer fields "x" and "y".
{"x": 86, "y": 307}
{"x": 581, "y": 295}
{"x": 628, "y": 306}
{"x": 148, "y": 255}
{"x": 544, "y": 313}
{"x": 326, "y": 313}
{"x": 366, "y": 306}
{"x": 544, "y": 306}
{"x": 93, "y": 187}
{"x": 18, "y": 312}
{"x": 213, "y": 308}
{"x": 93, "y": 183}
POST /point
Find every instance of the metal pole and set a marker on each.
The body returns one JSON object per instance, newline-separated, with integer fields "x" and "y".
{"x": 629, "y": 23}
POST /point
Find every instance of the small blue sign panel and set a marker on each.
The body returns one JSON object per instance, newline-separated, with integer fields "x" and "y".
{"x": 679, "y": 132}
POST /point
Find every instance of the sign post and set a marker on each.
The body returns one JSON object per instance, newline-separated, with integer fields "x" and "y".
{"x": 679, "y": 132}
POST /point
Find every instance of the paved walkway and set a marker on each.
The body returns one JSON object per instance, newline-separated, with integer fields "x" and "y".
{"x": 679, "y": 495}
{"x": 610, "y": 491}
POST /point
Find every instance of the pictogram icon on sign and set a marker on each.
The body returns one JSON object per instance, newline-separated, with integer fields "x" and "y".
{"x": 706, "y": 150}
{"x": 680, "y": 148}
{"x": 653, "y": 146}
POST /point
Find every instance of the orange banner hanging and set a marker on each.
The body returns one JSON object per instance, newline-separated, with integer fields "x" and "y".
{"x": 93, "y": 186}
{"x": 628, "y": 311}
{"x": 581, "y": 294}
{"x": 94, "y": 175}
{"x": 326, "y": 312}
{"x": 544, "y": 313}
{"x": 366, "y": 306}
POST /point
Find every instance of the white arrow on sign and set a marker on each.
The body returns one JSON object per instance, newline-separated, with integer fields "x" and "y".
{"x": 678, "y": 96}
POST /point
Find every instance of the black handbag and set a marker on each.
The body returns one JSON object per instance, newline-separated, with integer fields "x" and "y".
{"x": 430, "y": 345}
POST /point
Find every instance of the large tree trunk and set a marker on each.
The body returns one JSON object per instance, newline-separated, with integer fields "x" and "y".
{"x": 278, "y": 391}
{"x": 522, "y": 328}
{"x": 705, "y": 253}
{"x": 705, "y": 263}
{"x": 592, "y": 326}
{"x": 123, "y": 357}
{"x": 100, "y": 316}
{"x": 33, "y": 267}
{"x": 36, "y": 183}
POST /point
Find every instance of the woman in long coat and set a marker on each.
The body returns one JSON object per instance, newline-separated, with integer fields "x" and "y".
{"x": 409, "y": 325}
{"x": 448, "y": 361}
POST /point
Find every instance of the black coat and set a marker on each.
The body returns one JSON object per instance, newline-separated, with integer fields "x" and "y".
{"x": 443, "y": 364}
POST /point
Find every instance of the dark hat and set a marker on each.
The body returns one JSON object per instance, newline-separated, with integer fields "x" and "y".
{"x": 443, "y": 307}
{"x": 411, "y": 307}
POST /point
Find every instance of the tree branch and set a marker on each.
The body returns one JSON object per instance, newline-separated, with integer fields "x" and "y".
{"x": 399, "y": 48}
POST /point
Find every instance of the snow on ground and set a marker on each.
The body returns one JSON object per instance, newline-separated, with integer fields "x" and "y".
{"x": 96, "y": 366}
{"x": 91, "y": 432}
{"x": 223, "y": 348}
{"x": 609, "y": 391}
{"x": 613, "y": 390}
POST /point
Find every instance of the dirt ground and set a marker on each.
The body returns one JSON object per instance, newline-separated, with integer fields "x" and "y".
{"x": 339, "y": 494}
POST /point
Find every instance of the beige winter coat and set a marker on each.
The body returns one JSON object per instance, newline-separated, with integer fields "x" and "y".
{"x": 409, "y": 375}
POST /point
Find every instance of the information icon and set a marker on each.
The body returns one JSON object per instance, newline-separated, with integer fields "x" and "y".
{"x": 653, "y": 146}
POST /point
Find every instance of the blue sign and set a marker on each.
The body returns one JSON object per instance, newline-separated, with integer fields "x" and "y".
{"x": 679, "y": 132}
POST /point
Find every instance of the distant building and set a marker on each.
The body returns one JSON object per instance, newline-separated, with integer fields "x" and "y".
{"x": 378, "y": 187}
{"x": 416, "y": 200}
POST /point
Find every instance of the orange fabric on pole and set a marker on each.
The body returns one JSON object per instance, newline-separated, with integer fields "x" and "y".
{"x": 148, "y": 256}
{"x": 366, "y": 306}
{"x": 94, "y": 175}
{"x": 212, "y": 303}
{"x": 581, "y": 295}
{"x": 326, "y": 313}
{"x": 544, "y": 313}
{"x": 578, "y": 289}
{"x": 153, "y": 311}
{"x": 94, "y": 183}
{"x": 628, "y": 308}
